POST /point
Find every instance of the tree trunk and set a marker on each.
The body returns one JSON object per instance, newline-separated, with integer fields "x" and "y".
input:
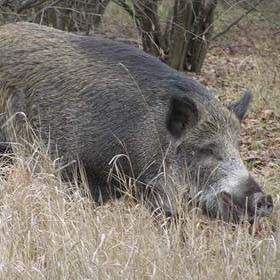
{"x": 147, "y": 21}
{"x": 201, "y": 31}
{"x": 191, "y": 29}
{"x": 179, "y": 37}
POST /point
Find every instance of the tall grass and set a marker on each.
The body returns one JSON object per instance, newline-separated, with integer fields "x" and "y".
{"x": 50, "y": 230}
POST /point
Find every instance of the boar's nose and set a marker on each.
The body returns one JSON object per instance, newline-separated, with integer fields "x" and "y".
{"x": 260, "y": 204}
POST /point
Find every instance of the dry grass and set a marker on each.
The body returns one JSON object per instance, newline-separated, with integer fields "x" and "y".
{"x": 49, "y": 233}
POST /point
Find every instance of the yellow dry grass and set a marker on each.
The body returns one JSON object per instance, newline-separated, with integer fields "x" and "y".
{"x": 48, "y": 232}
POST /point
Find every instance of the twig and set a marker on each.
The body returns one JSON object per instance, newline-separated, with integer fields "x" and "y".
{"x": 33, "y": 3}
{"x": 28, "y": 4}
{"x": 126, "y": 7}
{"x": 236, "y": 21}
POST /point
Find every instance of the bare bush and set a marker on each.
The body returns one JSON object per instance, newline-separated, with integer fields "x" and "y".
{"x": 70, "y": 15}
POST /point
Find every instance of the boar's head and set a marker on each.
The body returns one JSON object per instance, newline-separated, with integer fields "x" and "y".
{"x": 207, "y": 141}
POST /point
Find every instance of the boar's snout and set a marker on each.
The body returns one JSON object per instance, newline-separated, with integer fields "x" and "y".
{"x": 249, "y": 200}
{"x": 259, "y": 205}
{"x": 255, "y": 205}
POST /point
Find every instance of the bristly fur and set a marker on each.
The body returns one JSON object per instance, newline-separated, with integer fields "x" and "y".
{"x": 93, "y": 99}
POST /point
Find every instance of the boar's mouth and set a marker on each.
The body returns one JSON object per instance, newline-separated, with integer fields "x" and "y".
{"x": 254, "y": 206}
{"x": 231, "y": 210}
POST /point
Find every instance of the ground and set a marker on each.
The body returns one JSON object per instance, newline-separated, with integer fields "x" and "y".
{"x": 47, "y": 232}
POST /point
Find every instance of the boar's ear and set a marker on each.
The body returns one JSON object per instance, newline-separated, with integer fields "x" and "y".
{"x": 183, "y": 114}
{"x": 241, "y": 106}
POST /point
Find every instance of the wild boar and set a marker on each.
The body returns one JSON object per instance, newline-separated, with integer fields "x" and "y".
{"x": 95, "y": 100}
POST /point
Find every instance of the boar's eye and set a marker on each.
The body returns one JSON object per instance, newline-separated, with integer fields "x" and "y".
{"x": 206, "y": 151}
{"x": 210, "y": 151}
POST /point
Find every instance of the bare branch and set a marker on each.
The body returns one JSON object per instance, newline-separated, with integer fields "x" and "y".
{"x": 27, "y": 4}
{"x": 236, "y": 21}
{"x": 125, "y": 6}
